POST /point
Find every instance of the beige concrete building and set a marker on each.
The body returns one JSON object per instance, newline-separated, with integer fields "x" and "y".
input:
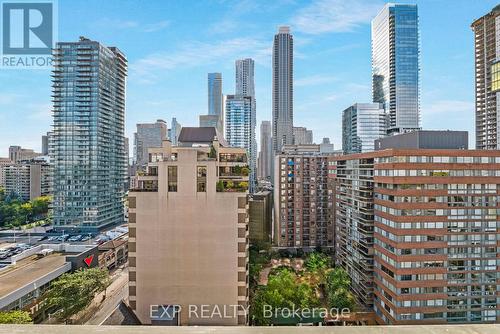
{"x": 3, "y": 162}
{"x": 188, "y": 236}
{"x": 29, "y": 179}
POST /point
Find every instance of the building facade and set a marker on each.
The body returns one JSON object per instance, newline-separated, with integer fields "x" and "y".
{"x": 282, "y": 89}
{"x": 87, "y": 149}
{"x": 3, "y": 162}
{"x": 266, "y": 151}
{"x": 417, "y": 230}
{"x": 240, "y": 129}
{"x": 302, "y": 136}
{"x": 28, "y": 179}
{"x": 148, "y": 135}
{"x": 188, "y": 236}
{"x": 302, "y": 200}
{"x": 215, "y": 98}
{"x": 396, "y": 65}
{"x": 487, "y": 84}
{"x": 362, "y": 124}
{"x": 260, "y": 216}
{"x": 18, "y": 154}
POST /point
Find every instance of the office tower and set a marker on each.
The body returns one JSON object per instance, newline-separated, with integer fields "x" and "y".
{"x": 148, "y": 135}
{"x": 302, "y": 202}
{"x": 326, "y": 146}
{"x": 487, "y": 83}
{"x": 282, "y": 89}
{"x": 302, "y": 136}
{"x": 396, "y": 66}
{"x": 45, "y": 144}
{"x": 362, "y": 124}
{"x": 4, "y": 162}
{"x": 428, "y": 139}
{"x": 188, "y": 230}
{"x": 215, "y": 98}
{"x": 266, "y": 151}
{"x": 213, "y": 121}
{"x": 240, "y": 129}
{"x": 28, "y": 179}
{"x": 18, "y": 154}
{"x": 260, "y": 208}
{"x": 417, "y": 231}
{"x": 88, "y": 150}
{"x": 174, "y": 131}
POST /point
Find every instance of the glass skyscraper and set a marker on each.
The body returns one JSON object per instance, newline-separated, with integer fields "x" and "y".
{"x": 245, "y": 86}
{"x": 239, "y": 128}
{"x": 395, "y": 65}
{"x": 148, "y": 135}
{"x": 88, "y": 142}
{"x": 362, "y": 123}
{"x": 215, "y": 104}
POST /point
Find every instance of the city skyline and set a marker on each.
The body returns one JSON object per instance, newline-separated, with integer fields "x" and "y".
{"x": 321, "y": 92}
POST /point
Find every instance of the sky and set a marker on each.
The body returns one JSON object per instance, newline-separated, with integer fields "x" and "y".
{"x": 172, "y": 45}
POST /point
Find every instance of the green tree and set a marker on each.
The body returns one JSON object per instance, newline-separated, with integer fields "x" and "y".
{"x": 282, "y": 291}
{"x": 15, "y": 317}
{"x": 338, "y": 291}
{"x": 317, "y": 262}
{"x": 73, "y": 292}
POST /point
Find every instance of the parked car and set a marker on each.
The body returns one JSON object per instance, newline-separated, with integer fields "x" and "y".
{"x": 85, "y": 238}
{"x": 54, "y": 238}
{"x": 43, "y": 238}
{"x": 75, "y": 238}
{"x": 44, "y": 252}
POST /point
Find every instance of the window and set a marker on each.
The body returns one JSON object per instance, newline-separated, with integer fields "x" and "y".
{"x": 172, "y": 178}
{"x": 201, "y": 179}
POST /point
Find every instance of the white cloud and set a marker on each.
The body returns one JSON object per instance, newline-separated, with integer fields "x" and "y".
{"x": 152, "y": 27}
{"x": 324, "y": 16}
{"x": 196, "y": 53}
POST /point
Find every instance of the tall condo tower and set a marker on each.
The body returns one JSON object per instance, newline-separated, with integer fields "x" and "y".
{"x": 88, "y": 142}
{"x": 282, "y": 88}
{"x": 396, "y": 66}
{"x": 245, "y": 86}
{"x": 487, "y": 64}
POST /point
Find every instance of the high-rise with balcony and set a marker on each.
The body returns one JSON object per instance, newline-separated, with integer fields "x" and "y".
{"x": 362, "y": 124}
{"x": 266, "y": 151}
{"x": 215, "y": 99}
{"x": 148, "y": 135}
{"x": 396, "y": 65}
{"x": 302, "y": 200}
{"x": 487, "y": 69}
{"x": 87, "y": 148}
{"x": 240, "y": 129}
{"x": 245, "y": 86}
{"x": 188, "y": 234}
{"x": 417, "y": 231}
{"x": 282, "y": 89}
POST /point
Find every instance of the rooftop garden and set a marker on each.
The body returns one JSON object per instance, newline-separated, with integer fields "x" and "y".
{"x": 231, "y": 186}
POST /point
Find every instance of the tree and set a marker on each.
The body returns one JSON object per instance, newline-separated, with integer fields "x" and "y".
{"x": 317, "y": 262}
{"x": 15, "y": 317}
{"x": 338, "y": 290}
{"x": 282, "y": 291}
{"x": 72, "y": 293}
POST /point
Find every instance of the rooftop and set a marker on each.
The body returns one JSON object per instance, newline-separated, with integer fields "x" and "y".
{"x": 200, "y": 135}
{"x": 27, "y": 271}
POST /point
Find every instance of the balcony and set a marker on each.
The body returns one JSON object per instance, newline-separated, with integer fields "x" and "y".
{"x": 231, "y": 186}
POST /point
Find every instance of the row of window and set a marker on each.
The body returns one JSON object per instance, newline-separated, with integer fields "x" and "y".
{"x": 436, "y": 159}
{"x": 442, "y": 172}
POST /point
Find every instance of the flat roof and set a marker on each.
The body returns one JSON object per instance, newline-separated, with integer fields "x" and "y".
{"x": 28, "y": 270}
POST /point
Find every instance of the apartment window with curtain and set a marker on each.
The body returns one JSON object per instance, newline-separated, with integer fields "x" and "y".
{"x": 201, "y": 179}
{"x": 172, "y": 178}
